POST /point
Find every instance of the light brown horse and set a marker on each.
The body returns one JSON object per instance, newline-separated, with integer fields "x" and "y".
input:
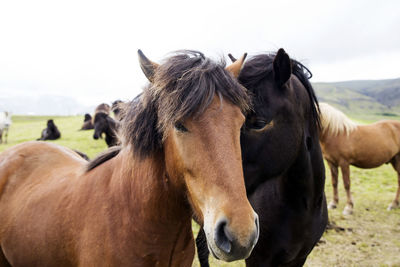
{"x": 133, "y": 206}
{"x": 103, "y": 107}
{"x": 346, "y": 143}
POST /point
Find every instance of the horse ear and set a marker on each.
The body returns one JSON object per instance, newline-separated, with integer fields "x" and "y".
{"x": 233, "y": 59}
{"x": 148, "y": 67}
{"x": 236, "y": 66}
{"x": 282, "y": 67}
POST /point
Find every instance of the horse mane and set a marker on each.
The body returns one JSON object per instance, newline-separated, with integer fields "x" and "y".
{"x": 260, "y": 67}
{"x": 183, "y": 86}
{"x": 103, "y": 157}
{"x": 334, "y": 122}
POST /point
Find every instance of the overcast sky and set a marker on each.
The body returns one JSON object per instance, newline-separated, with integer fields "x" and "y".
{"x": 88, "y": 49}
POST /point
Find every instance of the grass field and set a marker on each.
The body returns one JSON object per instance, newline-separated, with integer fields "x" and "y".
{"x": 369, "y": 237}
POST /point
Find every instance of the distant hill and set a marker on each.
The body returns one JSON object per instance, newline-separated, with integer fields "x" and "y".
{"x": 367, "y": 97}
{"x": 359, "y": 99}
{"x": 43, "y": 105}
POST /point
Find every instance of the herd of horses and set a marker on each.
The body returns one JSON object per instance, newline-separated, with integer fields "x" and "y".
{"x": 239, "y": 149}
{"x": 102, "y": 123}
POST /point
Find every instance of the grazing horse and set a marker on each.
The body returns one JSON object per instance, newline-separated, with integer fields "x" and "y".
{"x": 5, "y": 123}
{"x": 51, "y": 132}
{"x": 346, "y": 143}
{"x": 282, "y": 161}
{"x": 87, "y": 122}
{"x": 133, "y": 206}
{"x": 107, "y": 125}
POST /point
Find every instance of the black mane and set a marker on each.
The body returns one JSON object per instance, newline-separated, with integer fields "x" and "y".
{"x": 184, "y": 85}
{"x": 261, "y": 66}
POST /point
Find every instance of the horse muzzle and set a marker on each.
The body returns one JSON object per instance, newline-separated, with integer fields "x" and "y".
{"x": 226, "y": 245}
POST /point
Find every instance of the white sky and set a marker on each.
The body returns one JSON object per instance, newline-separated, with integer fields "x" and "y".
{"x": 87, "y": 49}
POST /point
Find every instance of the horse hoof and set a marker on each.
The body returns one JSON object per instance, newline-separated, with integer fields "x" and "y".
{"x": 332, "y": 206}
{"x": 348, "y": 211}
{"x": 392, "y": 206}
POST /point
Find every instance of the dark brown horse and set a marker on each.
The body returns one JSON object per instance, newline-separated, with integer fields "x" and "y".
{"x": 282, "y": 161}
{"x": 104, "y": 124}
{"x": 87, "y": 122}
{"x": 133, "y": 206}
{"x": 346, "y": 143}
{"x": 51, "y": 132}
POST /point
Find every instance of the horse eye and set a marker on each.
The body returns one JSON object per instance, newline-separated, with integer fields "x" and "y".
{"x": 180, "y": 127}
{"x": 257, "y": 124}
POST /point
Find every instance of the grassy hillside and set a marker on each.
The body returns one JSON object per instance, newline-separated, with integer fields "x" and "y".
{"x": 362, "y": 99}
{"x": 370, "y": 237}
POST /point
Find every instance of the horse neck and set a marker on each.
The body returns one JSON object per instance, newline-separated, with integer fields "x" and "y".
{"x": 145, "y": 188}
{"x": 305, "y": 179}
{"x": 110, "y": 129}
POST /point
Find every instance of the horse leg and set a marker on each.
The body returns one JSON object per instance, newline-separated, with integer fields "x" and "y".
{"x": 346, "y": 182}
{"x": 202, "y": 249}
{"x": 5, "y": 135}
{"x": 334, "y": 175}
{"x": 396, "y": 165}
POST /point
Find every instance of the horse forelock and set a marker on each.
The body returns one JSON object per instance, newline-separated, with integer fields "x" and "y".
{"x": 184, "y": 86}
{"x": 335, "y": 122}
{"x": 260, "y": 67}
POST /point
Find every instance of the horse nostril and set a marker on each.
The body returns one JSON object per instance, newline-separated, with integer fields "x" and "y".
{"x": 223, "y": 238}
{"x": 95, "y": 136}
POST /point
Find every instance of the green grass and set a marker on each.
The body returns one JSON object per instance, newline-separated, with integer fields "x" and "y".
{"x": 28, "y": 128}
{"x": 371, "y": 236}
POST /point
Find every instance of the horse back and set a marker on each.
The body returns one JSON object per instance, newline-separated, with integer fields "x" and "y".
{"x": 33, "y": 181}
{"x": 35, "y": 163}
{"x": 368, "y": 146}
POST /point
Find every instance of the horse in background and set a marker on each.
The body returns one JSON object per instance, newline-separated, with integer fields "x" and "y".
{"x": 346, "y": 143}
{"x": 51, "y": 132}
{"x": 87, "y": 122}
{"x": 282, "y": 162}
{"x": 5, "y": 123}
{"x": 104, "y": 124}
{"x": 103, "y": 107}
{"x": 133, "y": 206}
{"x": 117, "y": 109}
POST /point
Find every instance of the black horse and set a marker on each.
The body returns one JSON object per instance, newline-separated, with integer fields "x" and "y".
{"x": 51, "y": 132}
{"x": 87, "y": 122}
{"x": 103, "y": 123}
{"x": 282, "y": 162}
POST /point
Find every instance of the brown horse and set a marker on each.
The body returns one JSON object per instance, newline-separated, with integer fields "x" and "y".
{"x": 133, "y": 206}
{"x": 346, "y": 143}
{"x": 103, "y": 107}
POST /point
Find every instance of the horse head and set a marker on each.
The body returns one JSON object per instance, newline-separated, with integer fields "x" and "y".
{"x": 191, "y": 114}
{"x": 100, "y": 125}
